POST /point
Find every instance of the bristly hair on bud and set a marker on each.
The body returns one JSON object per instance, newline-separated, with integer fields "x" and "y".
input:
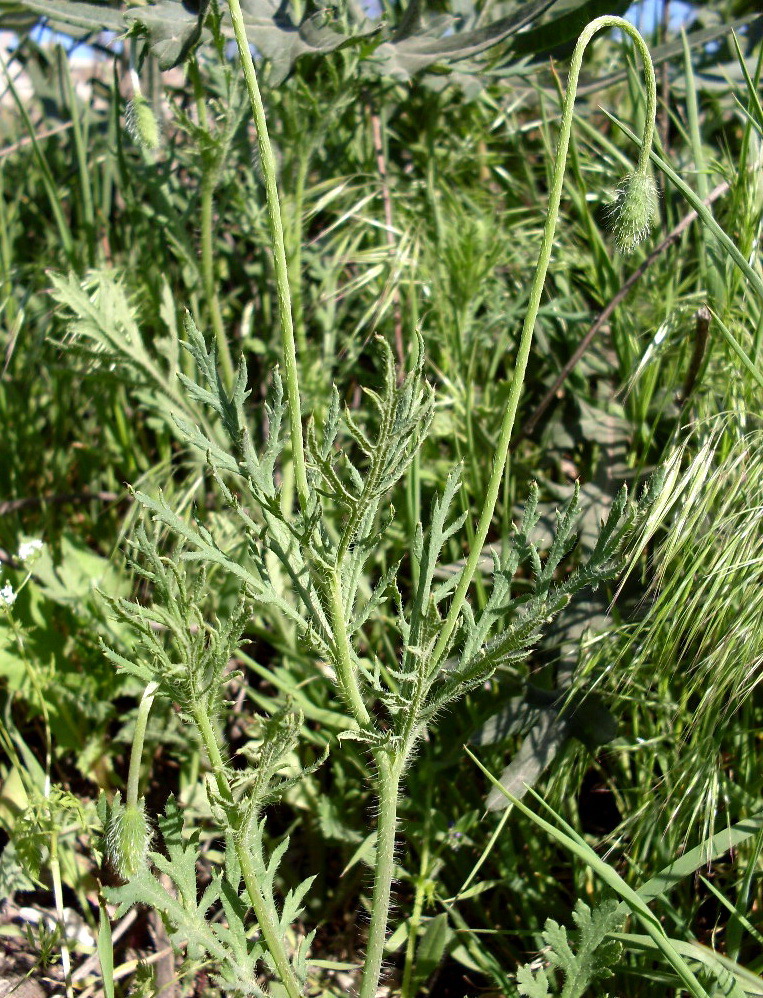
{"x": 141, "y": 123}
{"x": 140, "y": 120}
{"x": 632, "y": 211}
{"x": 128, "y": 836}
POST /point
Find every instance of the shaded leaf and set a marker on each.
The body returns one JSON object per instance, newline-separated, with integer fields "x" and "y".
{"x": 440, "y": 42}
{"x": 91, "y": 17}
{"x": 564, "y": 25}
{"x": 271, "y": 29}
{"x": 173, "y": 28}
{"x": 539, "y": 748}
{"x": 437, "y": 939}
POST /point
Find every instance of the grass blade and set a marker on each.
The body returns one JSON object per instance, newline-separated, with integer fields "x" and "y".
{"x": 580, "y": 848}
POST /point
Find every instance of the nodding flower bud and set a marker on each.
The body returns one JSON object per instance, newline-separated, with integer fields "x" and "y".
{"x": 632, "y": 211}
{"x": 128, "y": 836}
{"x": 142, "y": 124}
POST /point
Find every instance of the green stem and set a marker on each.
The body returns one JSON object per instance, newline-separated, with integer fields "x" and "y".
{"x": 536, "y": 290}
{"x": 389, "y": 786}
{"x": 279, "y": 254}
{"x": 209, "y": 738}
{"x": 418, "y": 903}
{"x": 136, "y": 753}
{"x": 58, "y": 897}
{"x": 208, "y": 277}
{"x": 259, "y": 905}
{"x": 650, "y": 113}
{"x": 295, "y": 260}
{"x": 348, "y": 683}
{"x": 6, "y": 258}
{"x": 208, "y": 185}
{"x": 265, "y": 922}
{"x": 708, "y": 271}
{"x": 80, "y": 151}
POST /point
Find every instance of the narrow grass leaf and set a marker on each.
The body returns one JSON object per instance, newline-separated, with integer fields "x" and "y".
{"x": 580, "y": 848}
{"x": 106, "y": 952}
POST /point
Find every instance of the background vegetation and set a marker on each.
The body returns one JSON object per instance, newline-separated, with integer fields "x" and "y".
{"x": 414, "y": 189}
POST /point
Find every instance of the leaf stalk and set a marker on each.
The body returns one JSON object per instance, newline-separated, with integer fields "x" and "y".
{"x": 138, "y": 738}
{"x": 348, "y": 682}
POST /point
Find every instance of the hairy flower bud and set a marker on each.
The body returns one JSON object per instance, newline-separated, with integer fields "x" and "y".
{"x": 128, "y": 836}
{"x": 632, "y": 211}
{"x": 142, "y": 124}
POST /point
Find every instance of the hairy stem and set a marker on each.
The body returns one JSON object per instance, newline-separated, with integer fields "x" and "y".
{"x": 208, "y": 185}
{"x": 208, "y": 277}
{"x": 136, "y": 752}
{"x": 536, "y": 290}
{"x": 256, "y": 898}
{"x": 295, "y": 256}
{"x": 279, "y": 254}
{"x": 389, "y": 785}
{"x": 345, "y": 668}
{"x": 406, "y": 987}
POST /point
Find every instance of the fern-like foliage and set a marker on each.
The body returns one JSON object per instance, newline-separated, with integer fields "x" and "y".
{"x": 346, "y": 487}
{"x": 310, "y": 570}
{"x": 214, "y": 923}
{"x": 175, "y": 645}
{"x": 404, "y": 415}
{"x": 187, "y": 657}
{"x": 322, "y": 553}
{"x": 504, "y": 633}
{"x": 104, "y": 331}
{"x": 581, "y": 961}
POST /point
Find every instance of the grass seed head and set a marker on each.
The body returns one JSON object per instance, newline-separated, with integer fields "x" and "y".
{"x": 632, "y": 211}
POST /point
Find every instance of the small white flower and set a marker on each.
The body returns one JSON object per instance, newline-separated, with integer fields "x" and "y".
{"x": 7, "y": 595}
{"x": 28, "y": 548}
